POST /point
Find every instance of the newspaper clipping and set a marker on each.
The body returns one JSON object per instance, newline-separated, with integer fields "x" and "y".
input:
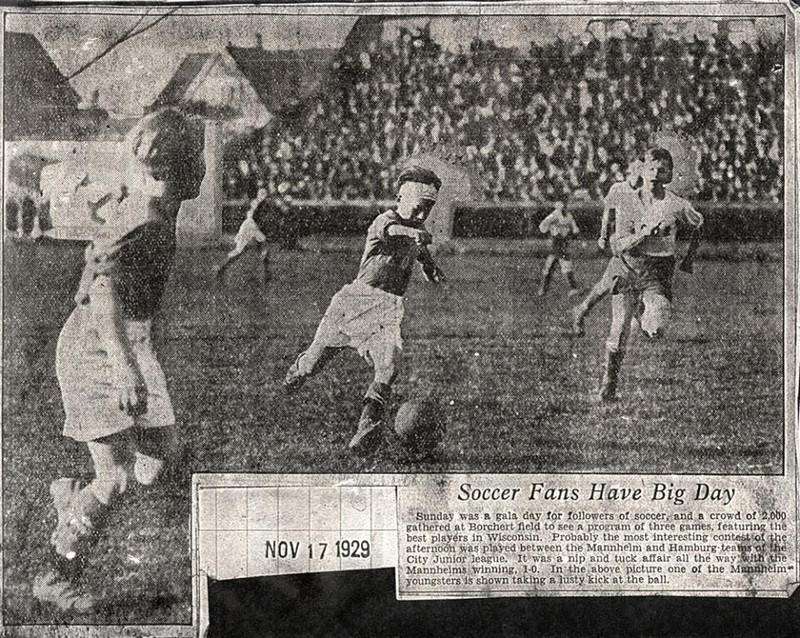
{"x": 398, "y": 319}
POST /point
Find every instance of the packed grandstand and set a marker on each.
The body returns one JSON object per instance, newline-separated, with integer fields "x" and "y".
{"x": 561, "y": 116}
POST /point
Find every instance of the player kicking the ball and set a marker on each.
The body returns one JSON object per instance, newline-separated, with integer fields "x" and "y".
{"x": 114, "y": 392}
{"x": 647, "y": 223}
{"x": 366, "y": 314}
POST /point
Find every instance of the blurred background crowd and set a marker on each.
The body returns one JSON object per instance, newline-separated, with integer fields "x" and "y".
{"x": 567, "y": 115}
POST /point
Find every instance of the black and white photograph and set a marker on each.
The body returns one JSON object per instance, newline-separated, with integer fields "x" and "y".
{"x": 378, "y": 239}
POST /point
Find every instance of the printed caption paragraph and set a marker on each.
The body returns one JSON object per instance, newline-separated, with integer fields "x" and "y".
{"x": 578, "y": 537}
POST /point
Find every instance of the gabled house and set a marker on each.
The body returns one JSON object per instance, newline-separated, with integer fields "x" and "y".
{"x": 38, "y": 101}
{"x": 245, "y": 87}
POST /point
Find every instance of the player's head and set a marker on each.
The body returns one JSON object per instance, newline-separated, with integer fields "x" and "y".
{"x": 634, "y": 172}
{"x": 168, "y": 146}
{"x": 417, "y": 193}
{"x": 658, "y": 166}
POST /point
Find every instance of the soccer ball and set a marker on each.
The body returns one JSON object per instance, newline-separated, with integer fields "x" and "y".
{"x": 419, "y": 425}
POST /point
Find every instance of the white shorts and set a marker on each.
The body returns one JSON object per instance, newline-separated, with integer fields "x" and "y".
{"x": 364, "y": 318}
{"x": 86, "y": 380}
{"x": 248, "y": 233}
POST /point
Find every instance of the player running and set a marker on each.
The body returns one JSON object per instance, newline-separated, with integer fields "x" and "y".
{"x": 647, "y": 223}
{"x": 616, "y": 193}
{"x": 256, "y": 225}
{"x": 366, "y": 314}
{"x": 113, "y": 389}
{"x": 559, "y": 226}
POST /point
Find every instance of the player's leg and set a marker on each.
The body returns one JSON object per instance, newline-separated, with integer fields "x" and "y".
{"x": 656, "y": 313}
{"x": 81, "y": 510}
{"x": 313, "y": 359}
{"x": 231, "y": 257}
{"x": 385, "y": 359}
{"x": 328, "y": 341}
{"x": 596, "y": 294}
{"x": 242, "y": 243}
{"x": 569, "y": 273}
{"x": 547, "y": 273}
{"x": 265, "y": 260}
{"x": 623, "y": 307}
{"x": 155, "y": 447}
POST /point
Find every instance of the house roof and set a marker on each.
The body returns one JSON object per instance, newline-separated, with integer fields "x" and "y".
{"x": 283, "y": 78}
{"x": 38, "y": 101}
{"x": 187, "y": 72}
{"x": 31, "y": 77}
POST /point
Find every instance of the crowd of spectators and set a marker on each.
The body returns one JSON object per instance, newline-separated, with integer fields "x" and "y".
{"x": 561, "y": 117}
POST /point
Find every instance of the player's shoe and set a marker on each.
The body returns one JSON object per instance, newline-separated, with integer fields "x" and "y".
{"x": 293, "y": 380}
{"x": 577, "y": 322}
{"x": 73, "y": 525}
{"x": 52, "y": 588}
{"x": 573, "y": 292}
{"x": 369, "y": 433}
{"x": 541, "y": 292}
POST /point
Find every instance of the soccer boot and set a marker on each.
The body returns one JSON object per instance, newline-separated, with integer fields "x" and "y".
{"x": 73, "y": 507}
{"x": 608, "y": 385}
{"x": 57, "y": 590}
{"x": 293, "y": 380}
{"x": 368, "y": 435}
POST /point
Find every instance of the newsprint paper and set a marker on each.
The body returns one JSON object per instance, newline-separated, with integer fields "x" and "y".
{"x": 454, "y": 319}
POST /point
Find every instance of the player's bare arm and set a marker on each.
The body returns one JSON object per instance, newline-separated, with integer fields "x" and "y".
{"x": 107, "y": 316}
{"x": 695, "y": 219}
{"x": 605, "y": 228}
{"x": 430, "y": 268}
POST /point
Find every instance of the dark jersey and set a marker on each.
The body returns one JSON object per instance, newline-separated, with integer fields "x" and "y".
{"x": 388, "y": 260}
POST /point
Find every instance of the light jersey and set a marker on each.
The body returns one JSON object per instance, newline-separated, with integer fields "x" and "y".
{"x": 388, "y": 260}
{"x": 632, "y": 214}
{"x": 559, "y": 224}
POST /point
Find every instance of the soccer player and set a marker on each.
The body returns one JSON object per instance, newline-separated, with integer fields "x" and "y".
{"x": 647, "y": 223}
{"x": 249, "y": 234}
{"x": 615, "y": 194}
{"x": 113, "y": 389}
{"x": 559, "y": 226}
{"x": 366, "y": 314}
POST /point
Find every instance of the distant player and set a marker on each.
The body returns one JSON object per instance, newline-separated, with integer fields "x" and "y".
{"x": 249, "y": 234}
{"x": 114, "y": 392}
{"x": 647, "y": 223}
{"x": 560, "y": 227}
{"x": 366, "y": 314}
{"x": 616, "y": 194}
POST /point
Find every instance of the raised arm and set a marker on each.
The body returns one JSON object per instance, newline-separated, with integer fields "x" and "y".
{"x": 419, "y": 235}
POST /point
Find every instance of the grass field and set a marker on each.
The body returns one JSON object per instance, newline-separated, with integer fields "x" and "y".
{"x": 517, "y": 390}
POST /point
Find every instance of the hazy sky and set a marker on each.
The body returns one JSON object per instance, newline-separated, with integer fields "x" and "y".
{"x": 136, "y": 71}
